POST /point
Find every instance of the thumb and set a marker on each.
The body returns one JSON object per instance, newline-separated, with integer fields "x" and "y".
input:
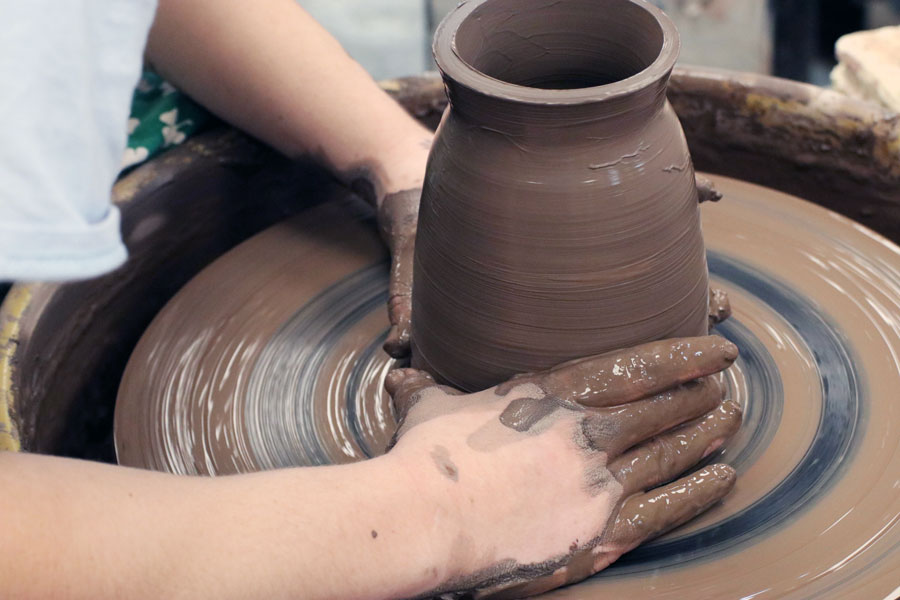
{"x": 397, "y": 217}
{"x": 400, "y": 297}
{"x": 706, "y": 190}
{"x": 403, "y": 386}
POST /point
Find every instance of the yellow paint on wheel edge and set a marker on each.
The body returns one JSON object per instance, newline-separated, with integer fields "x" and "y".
{"x": 17, "y": 300}
{"x": 828, "y": 113}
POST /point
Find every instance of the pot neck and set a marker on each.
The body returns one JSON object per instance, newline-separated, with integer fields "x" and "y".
{"x": 602, "y": 116}
{"x": 531, "y": 67}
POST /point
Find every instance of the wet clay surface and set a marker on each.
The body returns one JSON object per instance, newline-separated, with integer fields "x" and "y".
{"x": 554, "y": 191}
{"x": 640, "y": 393}
{"x": 815, "y": 302}
{"x": 397, "y": 216}
{"x": 622, "y": 377}
{"x": 636, "y": 519}
{"x": 801, "y": 139}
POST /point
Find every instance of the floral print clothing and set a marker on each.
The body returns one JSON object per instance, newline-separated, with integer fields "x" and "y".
{"x": 161, "y": 117}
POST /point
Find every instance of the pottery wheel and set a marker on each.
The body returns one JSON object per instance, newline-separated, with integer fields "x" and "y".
{"x": 271, "y": 357}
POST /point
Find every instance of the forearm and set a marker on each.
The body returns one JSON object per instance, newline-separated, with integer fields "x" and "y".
{"x": 355, "y": 531}
{"x": 270, "y": 69}
{"x": 88, "y": 530}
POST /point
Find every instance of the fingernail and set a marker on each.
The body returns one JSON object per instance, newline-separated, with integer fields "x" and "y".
{"x": 724, "y": 473}
{"x": 731, "y": 351}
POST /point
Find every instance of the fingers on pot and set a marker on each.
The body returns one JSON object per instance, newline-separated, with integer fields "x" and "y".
{"x": 404, "y": 386}
{"x": 667, "y": 456}
{"x": 400, "y": 299}
{"x": 645, "y": 516}
{"x": 398, "y": 340}
{"x": 628, "y": 375}
{"x": 614, "y": 430}
{"x": 719, "y": 306}
{"x": 706, "y": 190}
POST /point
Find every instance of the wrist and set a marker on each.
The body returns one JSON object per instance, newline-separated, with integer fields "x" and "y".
{"x": 372, "y": 529}
{"x": 430, "y": 509}
{"x": 404, "y": 163}
{"x": 389, "y": 168}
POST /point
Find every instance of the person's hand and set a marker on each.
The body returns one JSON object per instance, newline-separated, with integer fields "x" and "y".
{"x": 706, "y": 190}
{"x": 397, "y": 218}
{"x": 400, "y": 188}
{"x": 719, "y": 306}
{"x": 554, "y": 475}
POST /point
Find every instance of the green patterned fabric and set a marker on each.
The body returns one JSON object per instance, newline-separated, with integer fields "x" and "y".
{"x": 161, "y": 117}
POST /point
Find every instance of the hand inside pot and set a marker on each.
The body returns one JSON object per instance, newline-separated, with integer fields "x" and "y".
{"x": 552, "y": 476}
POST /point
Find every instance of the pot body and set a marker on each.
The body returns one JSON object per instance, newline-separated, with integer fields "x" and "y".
{"x": 554, "y": 230}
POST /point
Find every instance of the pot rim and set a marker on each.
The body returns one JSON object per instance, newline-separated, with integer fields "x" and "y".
{"x": 453, "y": 66}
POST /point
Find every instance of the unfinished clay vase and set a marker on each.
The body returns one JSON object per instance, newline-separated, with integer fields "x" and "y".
{"x": 559, "y": 217}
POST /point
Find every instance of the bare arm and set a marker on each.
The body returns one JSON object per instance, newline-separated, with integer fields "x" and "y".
{"x": 268, "y": 67}
{"x": 520, "y": 488}
{"x": 87, "y": 530}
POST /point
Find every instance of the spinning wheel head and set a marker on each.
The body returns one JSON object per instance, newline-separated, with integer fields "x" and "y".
{"x": 272, "y": 357}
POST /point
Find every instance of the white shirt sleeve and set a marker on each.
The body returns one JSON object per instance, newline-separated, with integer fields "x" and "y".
{"x": 67, "y": 73}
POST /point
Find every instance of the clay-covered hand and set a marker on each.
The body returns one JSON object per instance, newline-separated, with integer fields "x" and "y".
{"x": 719, "y": 306}
{"x": 706, "y": 190}
{"x": 397, "y": 217}
{"x": 552, "y": 476}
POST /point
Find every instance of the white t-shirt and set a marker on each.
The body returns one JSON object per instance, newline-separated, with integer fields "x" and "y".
{"x": 67, "y": 73}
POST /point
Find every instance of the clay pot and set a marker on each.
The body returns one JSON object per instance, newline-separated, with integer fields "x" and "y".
{"x": 559, "y": 217}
